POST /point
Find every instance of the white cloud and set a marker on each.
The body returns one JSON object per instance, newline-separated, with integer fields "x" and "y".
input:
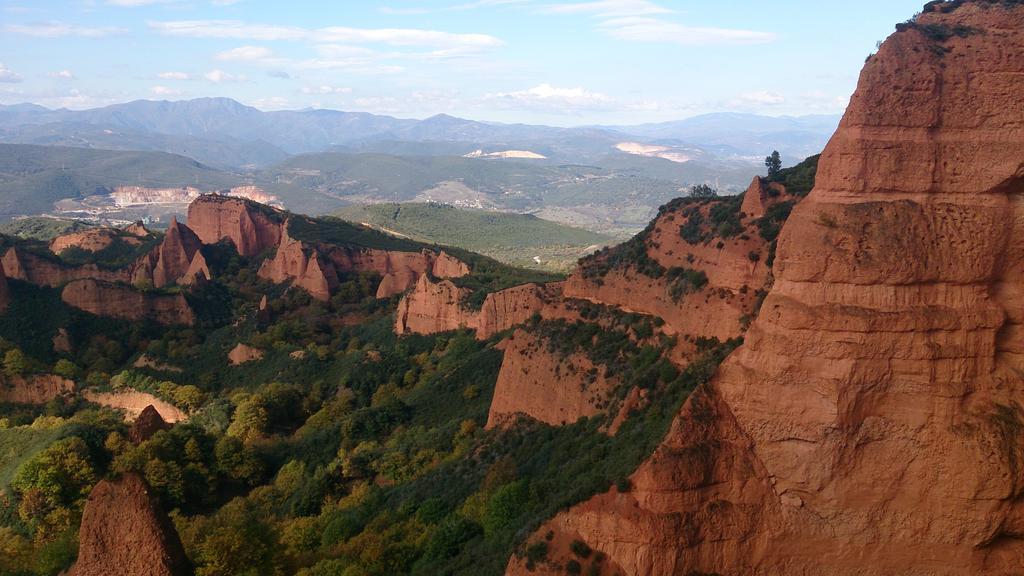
{"x": 165, "y": 91}
{"x": 246, "y": 53}
{"x": 762, "y": 98}
{"x": 278, "y": 74}
{"x": 271, "y": 103}
{"x": 62, "y": 75}
{"x": 453, "y": 8}
{"x": 137, "y": 3}
{"x": 9, "y": 76}
{"x": 326, "y": 90}
{"x": 638, "y": 29}
{"x": 552, "y": 98}
{"x": 234, "y": 29}
{"x": 174, "y": 75}
{"x": 608, "y": 8}
{"x": 56, "y": 29}
{"x": 641, "y": 21}
{"x": 218, "y": 76}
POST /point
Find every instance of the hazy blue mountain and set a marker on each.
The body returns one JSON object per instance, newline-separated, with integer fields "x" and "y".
{"x": 796, "y": 137}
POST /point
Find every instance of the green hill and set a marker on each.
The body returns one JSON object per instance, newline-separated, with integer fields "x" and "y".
{"x": 511, "y": 238}
{"x": 32, "y": 178}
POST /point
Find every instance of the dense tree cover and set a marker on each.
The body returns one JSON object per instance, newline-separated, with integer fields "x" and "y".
{"x": 509, "y": 238}
{"x": 344, "y": 450}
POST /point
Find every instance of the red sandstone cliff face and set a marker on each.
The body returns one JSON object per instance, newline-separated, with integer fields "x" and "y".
{"x": 315, "y": 267}
{"x": 5, "y": 293}
{"x": 546, "y": 387}
{"x": 870, "y": 424}
{"x": 37, "y": 389}
{"x": 302, "y": 266}
{"x": 23, "y": 265}
{"x": 91, "y": 240}
{"x": 117, "y": 301}
{"x": 125, "y": 532}
{"x": 433, "y": 307}
{"x": 173, "y": 261}
{"x": 148, "y": 423}
{"x": 448, "y": 266}
{"x": 213, "y": 217}
{"x": 506, "y": 309}
{"x": 175, "y": 254}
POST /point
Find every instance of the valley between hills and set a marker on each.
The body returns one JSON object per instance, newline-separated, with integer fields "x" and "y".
{"x": 821, "y": 374}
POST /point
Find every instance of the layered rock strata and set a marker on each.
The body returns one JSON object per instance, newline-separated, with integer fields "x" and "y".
{"x": 871, "y": 422}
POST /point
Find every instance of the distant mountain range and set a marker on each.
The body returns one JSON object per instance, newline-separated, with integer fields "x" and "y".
{"x": 225, "y": 133}
{"x": 609, "y": 179}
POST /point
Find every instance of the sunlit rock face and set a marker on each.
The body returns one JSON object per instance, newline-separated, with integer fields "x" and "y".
{"x": 871, "y": 423}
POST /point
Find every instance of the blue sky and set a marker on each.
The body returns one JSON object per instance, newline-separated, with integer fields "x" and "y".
{"x": 558, "y": 62}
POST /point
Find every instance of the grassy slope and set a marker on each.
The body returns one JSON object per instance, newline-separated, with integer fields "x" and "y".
{"x": 32, "y": 178}
{"x": 511, "y": 238}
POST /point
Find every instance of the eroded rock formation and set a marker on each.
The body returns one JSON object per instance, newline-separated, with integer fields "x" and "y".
{"x": 871, "y": 422}
{"x": 134, "y": 402}
{"x": 175, "y": 255}
{"x": 253, "y": 228}
{"x": 433, "y": 307}
{"x": 24, "y": 265}
{"x": 35, "y": 389}
{"x": 119, "y": 301}
{"x": 546, "y": 387}
{"x": 243, "y": 353}
{"x": 5, "y": 292}
{"x": 148, "y": 422}
{"x": 91, "y": 240}
{"x": 303, "y": 267}
{"x": 125, "y": 532}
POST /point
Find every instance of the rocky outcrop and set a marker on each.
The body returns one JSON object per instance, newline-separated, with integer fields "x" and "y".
{"x": 302, "y": 266}
{"x": 506, "y": 309}
{"x": 149, "y": 422}
{"x": 253, "y": 228}
{"x": 871, "y": 422}
{"x": 243, "y": 353}
{"x": 118, "y": 301}
{"x": 134, "y": 403}
{"x": 447, "y": 266}
{"x": 433, "y": 307}
{"x": 172, "y": 261}
{"x": 175, "y": 255}
{"x": 24, "y": 265}
{"x": 125, "y": 532}
{"x": 5, "y": 291}
{"x": 91, "y": 240}
{"x": 759, "y": 196}
{"x": 35, "y": 389}
{"x": 62, "y": 341}
{"x": 198, "y": 271}
{"x": 546, "y": 387}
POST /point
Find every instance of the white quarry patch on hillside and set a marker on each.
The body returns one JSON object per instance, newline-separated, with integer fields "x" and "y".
{"x": 506, "y": 154}
{"x": 652, "y": 151}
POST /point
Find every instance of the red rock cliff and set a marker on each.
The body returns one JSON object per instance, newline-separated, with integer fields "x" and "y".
{"x": 433, "y": 307}
{"x": 175, "y": 254}
{"x": 249, "y": 225}
{"x": 5, "y": 293}
{"x": 546, "y": 387}
{"x": 302, "y": 266}
{"x": 870, "y": 424}
{"x": 125, "y": 532}
{"x": 24, "y": 265}
{"x": 118, "y": 301}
